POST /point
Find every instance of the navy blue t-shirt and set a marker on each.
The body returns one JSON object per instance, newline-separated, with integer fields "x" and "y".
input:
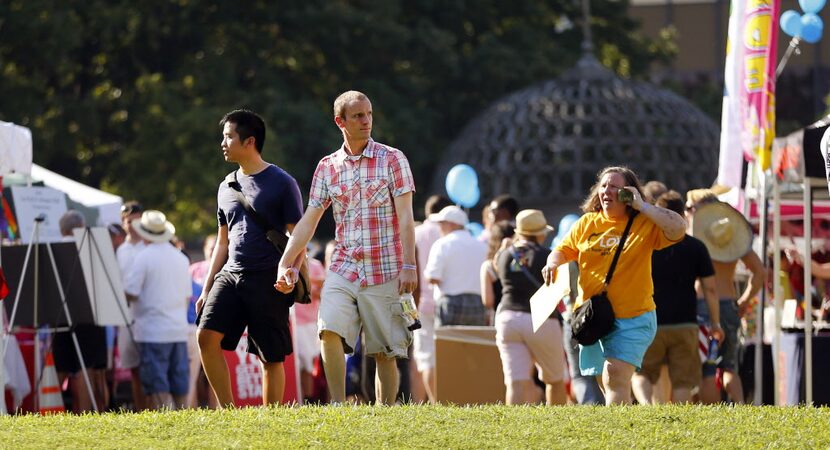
{"x": 674, "y": 270}
{"x": 275, "y": 196}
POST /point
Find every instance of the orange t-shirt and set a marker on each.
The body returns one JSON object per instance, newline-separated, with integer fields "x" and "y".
{"x": 592, "y": 243}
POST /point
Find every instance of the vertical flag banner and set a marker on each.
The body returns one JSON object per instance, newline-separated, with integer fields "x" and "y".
{"x": 748, "y": 121}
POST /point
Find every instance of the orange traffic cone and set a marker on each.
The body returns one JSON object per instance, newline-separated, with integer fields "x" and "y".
{"x": 49, "y": 396}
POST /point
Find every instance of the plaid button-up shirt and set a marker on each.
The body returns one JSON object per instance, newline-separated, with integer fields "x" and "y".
{"x": 362, "y": 189}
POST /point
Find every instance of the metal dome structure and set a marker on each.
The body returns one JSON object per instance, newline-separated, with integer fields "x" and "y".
{"x": 545, "y": 144}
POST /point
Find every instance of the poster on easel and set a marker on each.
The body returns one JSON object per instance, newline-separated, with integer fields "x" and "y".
{"x": 102, "y": 276}
{"x": 31, "y": 202}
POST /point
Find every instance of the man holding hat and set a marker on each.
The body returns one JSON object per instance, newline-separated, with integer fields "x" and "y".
{"x": 728, "y": 237}
{"x": 158, "y": 286}
{"x": 452, "y": 268}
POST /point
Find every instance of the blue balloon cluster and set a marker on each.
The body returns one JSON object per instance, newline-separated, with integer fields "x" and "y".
{"x": 808, "y": 26}
{"x": 462, "y": 186}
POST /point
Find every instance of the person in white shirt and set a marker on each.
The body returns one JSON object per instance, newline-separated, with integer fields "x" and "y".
{"x": 452, "y": 268}
{"x": 128, "y": 355}
{"x": 423, "y": 342}
{"x": 159, "y": 287}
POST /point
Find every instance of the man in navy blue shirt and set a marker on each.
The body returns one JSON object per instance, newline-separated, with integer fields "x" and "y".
{"x": 239, "y": 287}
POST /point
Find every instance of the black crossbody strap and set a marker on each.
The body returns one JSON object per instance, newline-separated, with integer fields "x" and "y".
{"x": 234, "y": 184}
{"x": 527, "y": 273}
{"x": 619, "y": 249}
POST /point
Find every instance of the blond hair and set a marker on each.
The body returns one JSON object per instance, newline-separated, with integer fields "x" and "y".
{"x": 344, "y": 99}
{"x": 704, "y": 195}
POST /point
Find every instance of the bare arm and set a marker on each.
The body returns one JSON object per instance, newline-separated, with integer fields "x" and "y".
{"x": 408, "y": 280}
{"x": 555, "y": 259}
{"x": 710, "y": 293}
{"x": 300, "y": 235}
{"x": 220, "y": 255}
{"x": 756, "y": 280}
{"x": 488, "y": 296}
{"x": 672, "y": 224}
{"x": 820, "y": 270}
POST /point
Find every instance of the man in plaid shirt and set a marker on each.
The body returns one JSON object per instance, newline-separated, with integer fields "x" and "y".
{"x": 370, "y": 186}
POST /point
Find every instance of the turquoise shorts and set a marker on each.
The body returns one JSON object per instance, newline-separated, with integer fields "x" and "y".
{"x": 627, "y": 342}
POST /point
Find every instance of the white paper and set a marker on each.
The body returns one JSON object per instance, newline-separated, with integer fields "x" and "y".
{"x": 547, "y": 298}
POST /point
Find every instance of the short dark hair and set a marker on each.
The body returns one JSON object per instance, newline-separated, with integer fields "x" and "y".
{"x": 436, "y": 203}
{"x": 507, "y": 203}
{"x": 248, "y": 124}
{"x": 131, "y": 207}
{"x": 672, "y": 201}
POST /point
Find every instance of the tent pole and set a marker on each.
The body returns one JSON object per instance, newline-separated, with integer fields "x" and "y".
{"x": 808, "y": 307}
{"x": 776, "y": 284}
{"x": 758, "y": 398}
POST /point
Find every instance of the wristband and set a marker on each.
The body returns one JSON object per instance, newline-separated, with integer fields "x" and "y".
{"x": 409, "y": 267}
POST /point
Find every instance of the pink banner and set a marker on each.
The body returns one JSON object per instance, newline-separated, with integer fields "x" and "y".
{"x": 757, "y": 74}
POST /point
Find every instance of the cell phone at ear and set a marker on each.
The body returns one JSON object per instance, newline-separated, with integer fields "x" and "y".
{"x": 625, "y": 196}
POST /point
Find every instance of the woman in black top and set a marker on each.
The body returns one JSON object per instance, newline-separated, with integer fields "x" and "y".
{"x": 519, "y": 269}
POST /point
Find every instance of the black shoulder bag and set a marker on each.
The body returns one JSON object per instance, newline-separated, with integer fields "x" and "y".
{"x": 302, "y": 290}
{"x": 594, "y": 318}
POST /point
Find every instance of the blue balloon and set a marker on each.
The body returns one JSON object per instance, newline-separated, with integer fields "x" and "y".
{"x": 811, "y": 6}
{"x": 790, "y": 22}
{"x": 462, "y": 185}
{"x": 475, "y": 228}
{"x": 811, "y": 28}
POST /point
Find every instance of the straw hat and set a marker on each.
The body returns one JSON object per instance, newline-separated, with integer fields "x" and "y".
{"x": 531, "y": 222}
{"x": 154, "y": 227}
{"x": 726, "y": 233}
{"x": 452, "y": 214}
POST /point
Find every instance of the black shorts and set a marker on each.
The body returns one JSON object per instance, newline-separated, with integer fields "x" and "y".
{"x": 93, "y": 342}
{"x": 249, "y": 299}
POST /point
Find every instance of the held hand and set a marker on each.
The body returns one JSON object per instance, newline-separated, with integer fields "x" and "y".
{"x": 407, "y": 281}
{"x": 717, "y": 333}
{"x": 549, "y": 273}
{"x": 286, "y": 278}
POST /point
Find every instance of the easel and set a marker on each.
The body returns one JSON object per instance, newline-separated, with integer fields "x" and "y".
{"x": 34, "y": 243}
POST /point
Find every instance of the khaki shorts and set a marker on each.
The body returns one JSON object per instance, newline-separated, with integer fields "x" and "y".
{"x": 128, "y": 349}
{"x": 677, "y": 347}
{"x": 520, "y": 348}
{"x": 345, "y": 307}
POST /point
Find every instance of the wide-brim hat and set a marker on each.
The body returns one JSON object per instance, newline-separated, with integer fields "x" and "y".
{"x": 532, "y": 222}
{"x": 452, "y": 214}
{"x": 726, "y": 232}
{"x": 154, "y": 226}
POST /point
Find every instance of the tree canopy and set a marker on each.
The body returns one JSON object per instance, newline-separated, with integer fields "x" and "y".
{"x": 127, "y": 95}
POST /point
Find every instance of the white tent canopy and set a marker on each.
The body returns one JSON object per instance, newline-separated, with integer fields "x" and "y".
{"x": 108, "y": 205}
{"x": 15, "y": 149}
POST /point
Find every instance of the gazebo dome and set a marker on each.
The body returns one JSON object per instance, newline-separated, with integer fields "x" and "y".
{"x": 545, "y": 144}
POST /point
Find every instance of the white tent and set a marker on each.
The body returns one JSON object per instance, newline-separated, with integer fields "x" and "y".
{"x": 800, "y": 168}
{"x": 108, "y": 205}
{"x": 15, "y": 149}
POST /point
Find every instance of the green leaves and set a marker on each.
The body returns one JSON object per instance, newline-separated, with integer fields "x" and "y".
{"x": 127, "y": 95}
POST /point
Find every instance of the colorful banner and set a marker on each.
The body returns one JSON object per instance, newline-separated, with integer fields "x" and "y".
{"x": 748, "y": 120}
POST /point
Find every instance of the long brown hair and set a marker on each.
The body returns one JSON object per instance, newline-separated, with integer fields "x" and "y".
{"x": 592, "y": 203}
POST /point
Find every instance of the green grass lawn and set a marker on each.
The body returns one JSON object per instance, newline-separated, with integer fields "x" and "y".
{"x": 431, "y": 427}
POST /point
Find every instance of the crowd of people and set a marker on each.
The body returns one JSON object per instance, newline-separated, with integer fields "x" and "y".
{"x": 674, "y": 280}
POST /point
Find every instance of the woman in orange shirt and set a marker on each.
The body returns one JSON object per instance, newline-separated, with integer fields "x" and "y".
{"x": 592, "y": 242}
